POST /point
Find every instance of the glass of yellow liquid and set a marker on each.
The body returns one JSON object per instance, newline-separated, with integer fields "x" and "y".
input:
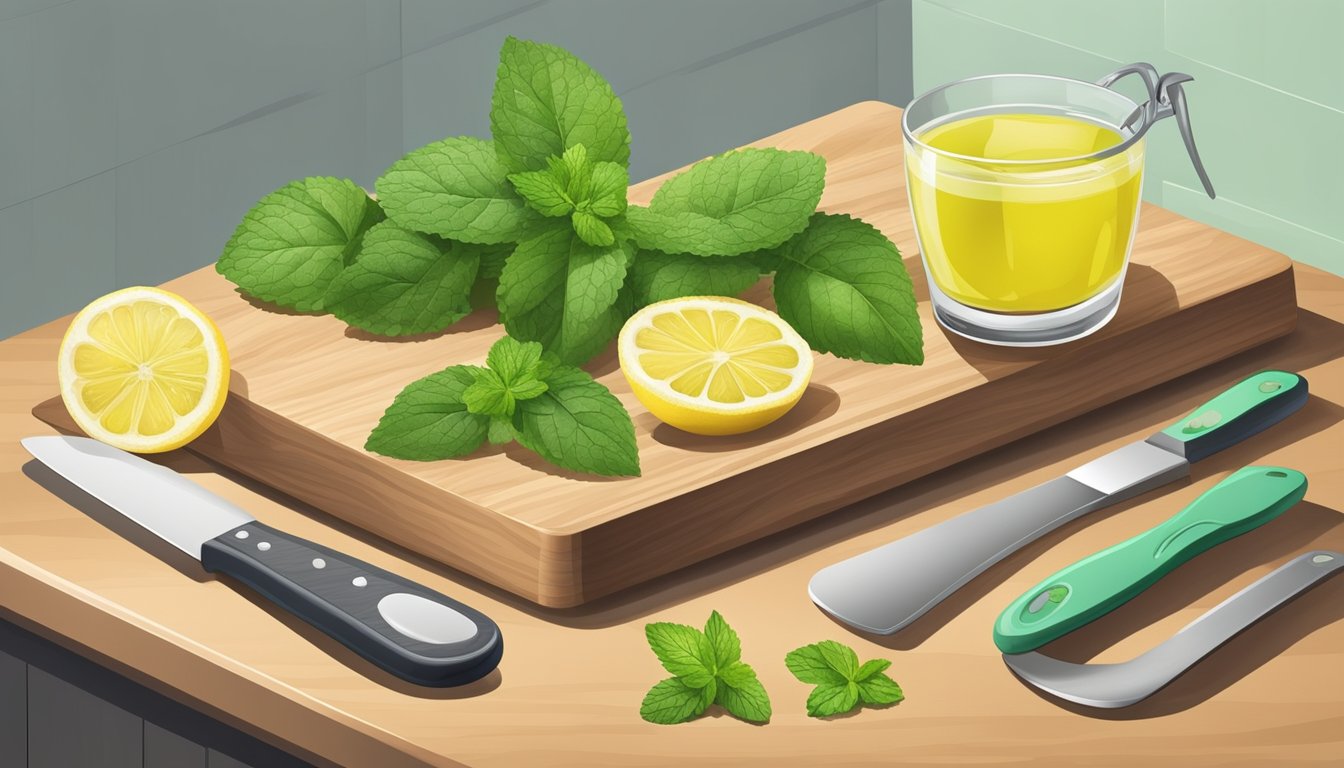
{"x": 1025, "y": 192}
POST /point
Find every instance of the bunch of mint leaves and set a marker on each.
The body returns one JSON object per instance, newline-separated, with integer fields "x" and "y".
{"x": 707, "y": 668}
{"x": 536, "y": 221}
{"x": 841, "y": 682}
{"x": 554, "y": 410}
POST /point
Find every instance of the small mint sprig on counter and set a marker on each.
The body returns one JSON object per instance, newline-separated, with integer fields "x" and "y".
{"x": 841, "y": 682}
{"x": 707, "y": 669}
{"x": 554, "y": 410}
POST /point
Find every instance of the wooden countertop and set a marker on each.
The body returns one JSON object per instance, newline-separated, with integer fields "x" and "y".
{"x": 569, "y": 688}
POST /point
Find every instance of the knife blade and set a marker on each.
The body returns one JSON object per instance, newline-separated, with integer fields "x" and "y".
{"x": 1098, "y": 584}
{"x": 403, "y": 627}
{"x": 887, "y": 588}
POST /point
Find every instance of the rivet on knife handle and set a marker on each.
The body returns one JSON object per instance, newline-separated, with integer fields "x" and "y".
{"x": 1099, "y": 583}
{"x": 1249, "y": 406}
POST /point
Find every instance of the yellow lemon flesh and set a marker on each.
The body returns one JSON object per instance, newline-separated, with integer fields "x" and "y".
{"x": 143, "y": 370}
{"x": 713, "y": 365}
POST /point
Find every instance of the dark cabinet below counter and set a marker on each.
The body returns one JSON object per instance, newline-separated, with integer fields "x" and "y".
{"x": 60, "y": 710}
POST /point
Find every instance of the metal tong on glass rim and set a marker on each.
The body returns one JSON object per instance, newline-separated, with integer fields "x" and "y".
{"x": 1166, "y": 97}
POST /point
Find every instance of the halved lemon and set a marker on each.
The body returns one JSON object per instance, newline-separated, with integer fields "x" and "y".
{"x": 143, "y": 370}
{"x": 714, "y": 365}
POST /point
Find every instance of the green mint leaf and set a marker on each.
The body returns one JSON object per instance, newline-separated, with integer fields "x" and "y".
{"x": 740, "y": 201}
{"x": 429, "y": 421}
{"x": 723, "y": 641}
{"x": 545, "y": 101}
{"x": 871, "y": 668}
{"x": 578, "y": 424}
{"x": 591, "y": 229}
{"x": 827, "y": 700}
{"x": 488, "y": 395}
{"x": 683, "y": 651}
{"x": 842, "y": 285}
{"x": 809, "y": 665}
{"x": 296, "y": 240}
{"x": 492, "y": 260}
{"x": 577, "y": 172}
{"x": 741, "y": 693}
{"x": 403, "y": 283}
{"x": 839, "y": 657}
{"x": 455, "y": 188}
{"x": 672, "y": 701}
{"x": 658, "y": 276}
{"x": 607, "y": 192}
{"x": 879, "y": 691}
{"x": 514, "y": 360}
{"x": 560, "y": 291}
{"x": 543, "y": 191}
{"x": 500, "y": 431}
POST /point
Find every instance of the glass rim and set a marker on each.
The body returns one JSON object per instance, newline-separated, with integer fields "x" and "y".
{"x": 1116, "y": 149}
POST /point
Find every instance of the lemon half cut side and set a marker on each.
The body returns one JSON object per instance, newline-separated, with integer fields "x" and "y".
{"x": 714, "y": 365}
{"x": 143, "y": 370}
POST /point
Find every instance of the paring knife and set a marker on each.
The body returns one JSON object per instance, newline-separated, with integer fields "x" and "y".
{"x": 407, "y": 629}
{"x": 1119, "y": 685}
{"x": 887, "y": 588}
{"x": 1099, "y": 583}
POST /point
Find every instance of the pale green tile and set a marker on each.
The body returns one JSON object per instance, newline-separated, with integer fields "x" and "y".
{"x": 1291, "y": 239}
{"x": 1128, "y": 31}
{"x": 1294, "y": 46}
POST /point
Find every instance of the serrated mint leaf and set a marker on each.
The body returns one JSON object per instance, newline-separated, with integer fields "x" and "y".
{"x": 741, "y": 693}
{"x": 810, "y": 666}
{"x": 879, "y": 691}
{"x": 672, "y": 701}
{"x": 591, "y": 229}
{"x": 658, "y": 276}
{"x": 683, "y": 651}
{"x": 488, "y": 395}
{"x": 827, "y": 700}
{"x": 543, "y": 191}
{"x": 741, "y": 201}
{"x": 545, "y": 101}
{"x": 839, "y": 657}
{"x": 842, "y": 286}
{"x": 560, "y": 291}
{"x": 455, "y": 188}
{"x": 404, "y": 282}
{"x": 871, "y": 668}
{"x": 500, "y": 431}
{"x": 607, "y": 191}
{"x": 514, "y": 360}
{"x": 578, "y": 424}
{"x": 296, "y": 240}
{"x": 429, "y": 421}
{"x": 723, "y": 641}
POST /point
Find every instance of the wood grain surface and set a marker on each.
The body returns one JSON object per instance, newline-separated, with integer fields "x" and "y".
{"x": 307, "y": 391}
{"x": 568, "y": 690}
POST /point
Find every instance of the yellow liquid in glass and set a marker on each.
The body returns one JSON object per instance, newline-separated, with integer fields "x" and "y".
{"x": 1023, "y": 237}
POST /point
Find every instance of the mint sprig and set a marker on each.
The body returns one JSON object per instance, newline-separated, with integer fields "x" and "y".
{"x": 707, "y": 669}
{"x": 841, "y": 682}
{"x": 558, "y": 411}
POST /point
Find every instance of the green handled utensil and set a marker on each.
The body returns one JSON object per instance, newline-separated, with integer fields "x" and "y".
{"x": 887, "y": 588}
{"x": 1096, "y": 585}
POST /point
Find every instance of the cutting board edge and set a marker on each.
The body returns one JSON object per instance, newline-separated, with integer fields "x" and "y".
{"x": 1275, "y": 294}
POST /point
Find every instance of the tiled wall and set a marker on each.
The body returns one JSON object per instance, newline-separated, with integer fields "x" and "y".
{"x": 135, "y": 133}
{"x": 1267, "y": 103}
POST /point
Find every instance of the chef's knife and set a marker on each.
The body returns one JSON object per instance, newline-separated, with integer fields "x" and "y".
{"x": 887, "y": 588}
{"x": 407, "y": 629}
{"x": 1120, "y": 685}
{"x": 1099, "y": 583}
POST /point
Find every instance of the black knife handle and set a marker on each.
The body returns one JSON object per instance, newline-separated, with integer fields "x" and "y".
{"x": 407, "y": 629}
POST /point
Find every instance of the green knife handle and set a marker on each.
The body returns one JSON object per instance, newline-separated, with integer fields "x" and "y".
{"x": 1096, "y": 585}
{"x": 1247, "y": 407}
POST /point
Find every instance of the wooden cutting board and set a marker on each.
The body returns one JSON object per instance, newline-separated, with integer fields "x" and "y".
{"x": 307, "y": 390}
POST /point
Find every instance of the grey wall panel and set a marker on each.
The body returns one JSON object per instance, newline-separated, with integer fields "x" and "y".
{"x": 13, "y": 711}
{"x": 165, "y": 749}
{"x": 69, "y": 727}
{"x": 895, "y": 52}
{"x": 218, "y": 759}
{"x": 16, "y": 118}
{"x": 707, "y": 109}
